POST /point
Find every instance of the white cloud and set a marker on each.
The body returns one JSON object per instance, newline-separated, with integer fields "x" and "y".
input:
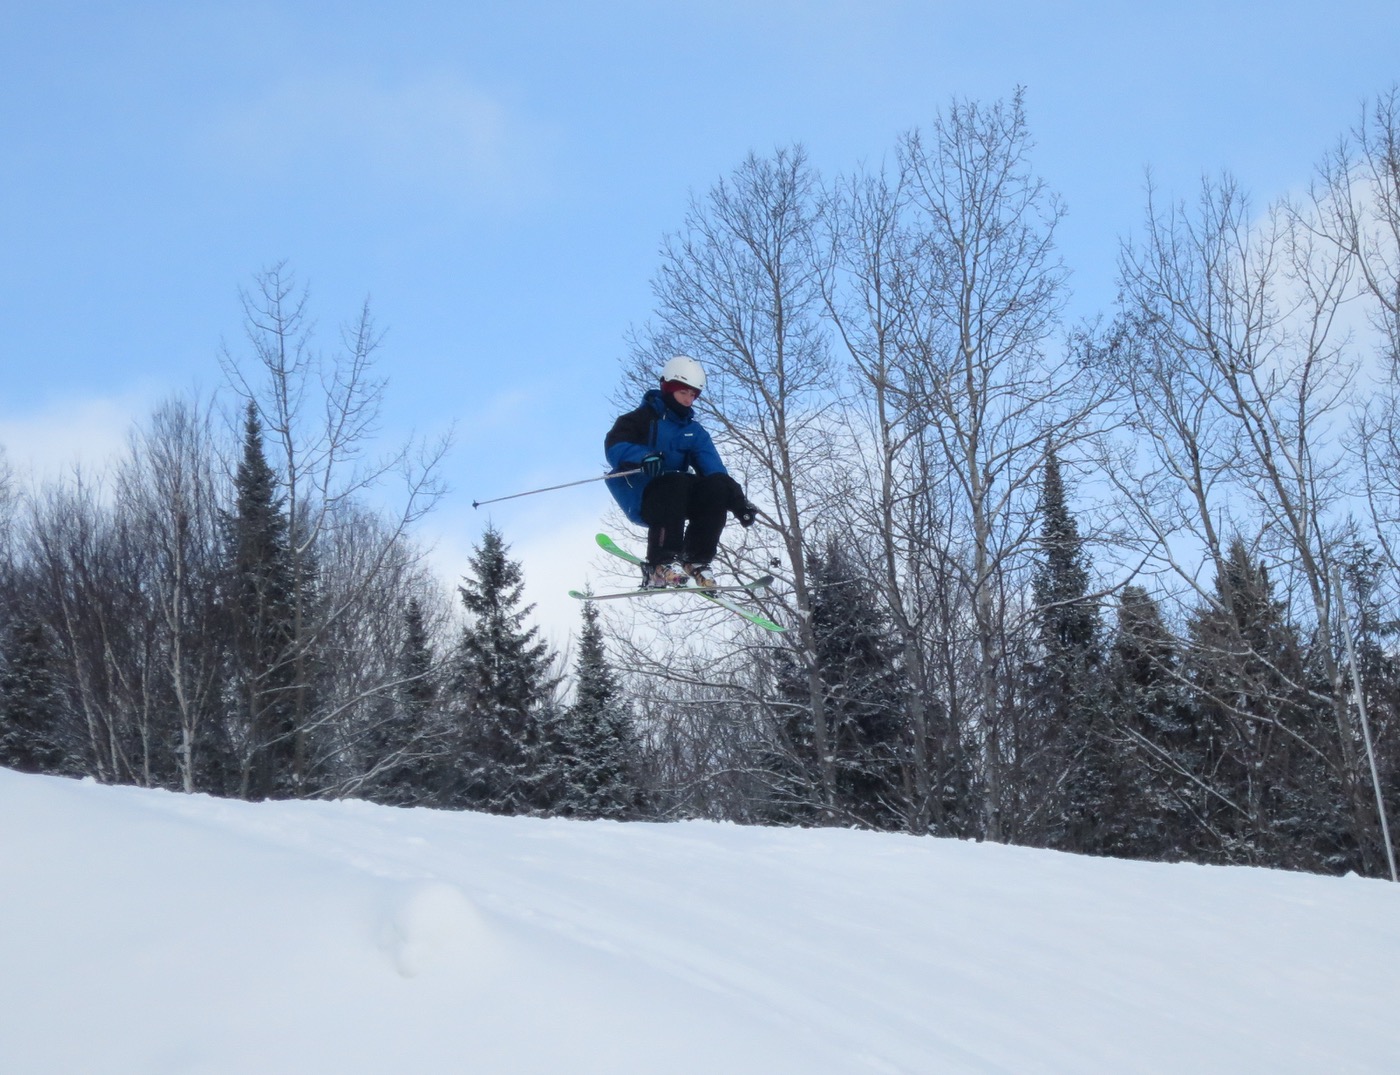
{"x": 87, "y": 433}
{"x": 433, "y": 134}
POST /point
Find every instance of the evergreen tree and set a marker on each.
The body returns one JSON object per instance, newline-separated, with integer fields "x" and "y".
{"x": 261, "y": 600}
{"x": 1256, "y": 724}
{"x": 1148, "y": 710}
{"x": 312, "y": 672}
{"x": 1373, "y": 637}
{"x": 863, "y": 697}
{"x": 503, "y": 692}
{"x": 1068, "y": 619}
{"x": 405, "y": 749}
{"x": 1069, "y": 759}
{"x": 31, "y": 702}
{"x": 599, "y": 754}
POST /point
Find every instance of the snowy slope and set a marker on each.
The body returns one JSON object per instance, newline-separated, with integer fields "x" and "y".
{"x": 156, "y": 933}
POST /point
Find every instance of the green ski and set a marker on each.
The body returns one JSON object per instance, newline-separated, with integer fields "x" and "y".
{"x": 758, "y": 619}
{"x": 745, "y": 587}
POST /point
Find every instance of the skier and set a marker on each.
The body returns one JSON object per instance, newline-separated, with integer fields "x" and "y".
{"x": 683, "y": 493}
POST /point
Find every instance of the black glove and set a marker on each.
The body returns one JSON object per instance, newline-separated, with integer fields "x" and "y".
{"x": 746, "y": 515}
{"x": 651, "y": 464}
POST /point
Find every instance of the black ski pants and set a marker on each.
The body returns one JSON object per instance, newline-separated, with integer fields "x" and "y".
{"x": 685, "y": 515}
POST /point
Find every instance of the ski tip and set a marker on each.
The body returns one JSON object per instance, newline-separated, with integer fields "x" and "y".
{"x": 580, "y": 595}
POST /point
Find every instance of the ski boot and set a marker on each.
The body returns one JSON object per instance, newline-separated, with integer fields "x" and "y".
{"x": 701, "y": 574}
{"x": 661, "y": 575}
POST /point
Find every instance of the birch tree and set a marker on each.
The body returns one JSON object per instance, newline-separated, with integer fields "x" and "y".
{"x": 171, "y": 487}
{"x": 891, "y": 497}
{"x": 738, "y": 289}
{"x": 980, "y": 310}
{"x": 320, "y": 412}
{"x": 1241, "y": 386}
{"x": 1359, "y": 183}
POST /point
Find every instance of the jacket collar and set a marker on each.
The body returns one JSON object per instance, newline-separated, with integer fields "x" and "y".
{"x": 668, "y": 407}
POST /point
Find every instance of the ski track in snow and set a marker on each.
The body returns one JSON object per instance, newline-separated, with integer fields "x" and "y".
{"x": 148, "y": 932}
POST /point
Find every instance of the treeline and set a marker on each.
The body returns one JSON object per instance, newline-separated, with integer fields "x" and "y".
{"x": 236, "y": 612}
{"x": 1124, "y": 588}
{"x": 1127, "y": 587}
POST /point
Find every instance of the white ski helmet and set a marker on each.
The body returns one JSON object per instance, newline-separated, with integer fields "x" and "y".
{"x": 686, "y": 370}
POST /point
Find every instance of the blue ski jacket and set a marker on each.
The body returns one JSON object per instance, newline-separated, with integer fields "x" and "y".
{"x": 656, "y": 427}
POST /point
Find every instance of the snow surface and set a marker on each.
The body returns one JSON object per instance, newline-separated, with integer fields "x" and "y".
{"x": 158, "y": 933}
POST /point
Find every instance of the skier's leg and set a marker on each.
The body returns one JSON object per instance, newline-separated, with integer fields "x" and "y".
{"x": 713, "y": 497}
{"x": 664, "y": 507}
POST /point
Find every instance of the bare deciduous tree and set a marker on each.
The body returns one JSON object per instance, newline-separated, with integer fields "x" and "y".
{"x": 891, "y": 496}
{"x": 981, "y": 301}
{"x": 739, "y": 289}
{"x": 321, "y": 414}
{"x": 171, "y": 487}
{"x": 1241, "y": 388}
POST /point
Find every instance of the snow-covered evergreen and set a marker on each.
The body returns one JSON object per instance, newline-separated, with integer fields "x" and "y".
{"x": 262, "y": 671}
{"x": 503, "y": 690}
{"x": 30, "y": 729}
{"x": 600, "y": 760}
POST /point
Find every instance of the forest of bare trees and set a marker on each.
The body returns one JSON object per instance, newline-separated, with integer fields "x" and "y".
{"x": 1127, "y": 587}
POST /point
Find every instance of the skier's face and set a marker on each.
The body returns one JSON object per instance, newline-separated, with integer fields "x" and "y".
{"x": 685, "y": 395}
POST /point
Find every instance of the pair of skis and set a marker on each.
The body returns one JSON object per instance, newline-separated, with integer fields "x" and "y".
{"x": 715, "y": 595}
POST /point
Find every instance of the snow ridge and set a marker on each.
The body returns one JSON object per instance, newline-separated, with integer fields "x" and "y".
{"x": 147, "y": 932}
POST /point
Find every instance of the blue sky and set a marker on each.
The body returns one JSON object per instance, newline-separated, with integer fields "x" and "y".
{"x": 496, "y": 177}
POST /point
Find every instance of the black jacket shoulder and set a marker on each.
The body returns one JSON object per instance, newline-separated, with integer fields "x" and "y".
{"x": 635, "y": 427}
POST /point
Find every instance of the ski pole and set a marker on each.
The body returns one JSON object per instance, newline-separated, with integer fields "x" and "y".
{"x": 551, "y": 488}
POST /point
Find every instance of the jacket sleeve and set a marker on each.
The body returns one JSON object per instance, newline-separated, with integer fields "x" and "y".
{"x": 629, "y": 440}
{"x": 704, "y": 456}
